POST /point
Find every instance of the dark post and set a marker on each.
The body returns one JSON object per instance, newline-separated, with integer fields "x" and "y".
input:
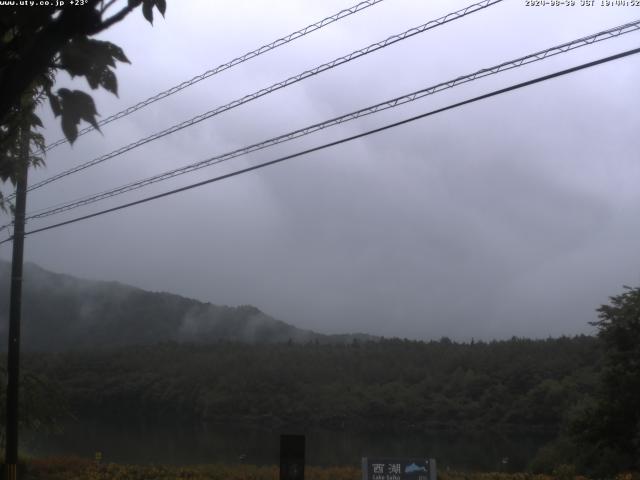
{"x": 292, "y": 449}
{"x": 15, "y": 304}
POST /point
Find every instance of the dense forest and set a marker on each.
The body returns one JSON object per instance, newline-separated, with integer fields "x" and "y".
{"x": 515, "y": 384}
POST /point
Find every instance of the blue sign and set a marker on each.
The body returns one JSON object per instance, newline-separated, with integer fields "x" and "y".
{"x": 398, "y": 469}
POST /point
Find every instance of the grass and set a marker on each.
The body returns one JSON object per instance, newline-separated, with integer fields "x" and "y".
{"x": 75, "y": 468}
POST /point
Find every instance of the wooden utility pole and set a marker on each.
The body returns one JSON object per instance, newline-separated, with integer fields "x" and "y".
{"x": 15, "y": 310}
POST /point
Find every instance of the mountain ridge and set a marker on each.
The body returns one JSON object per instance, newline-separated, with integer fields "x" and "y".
{"x": 62, "y": 312}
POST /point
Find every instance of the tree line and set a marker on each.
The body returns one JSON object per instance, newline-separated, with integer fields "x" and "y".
{"x": 508, "y": 385}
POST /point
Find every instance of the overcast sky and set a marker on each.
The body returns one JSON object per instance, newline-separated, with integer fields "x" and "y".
{"x": 518, "y": 215}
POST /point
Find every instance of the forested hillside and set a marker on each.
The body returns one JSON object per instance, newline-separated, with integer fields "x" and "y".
{"x": 506, "y": 385}
{"x": 111, "y": 352}
{"x": 62, "y": 312}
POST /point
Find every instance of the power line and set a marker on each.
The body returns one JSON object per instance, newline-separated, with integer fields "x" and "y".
{"x": 225, "y": 66}
{"x": 343, "y": 140}
{"x": 395, "y": 102}
{"x": 276, "y": 86}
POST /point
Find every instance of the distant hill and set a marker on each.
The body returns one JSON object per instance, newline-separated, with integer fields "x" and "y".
{"x": 62, "y": 312}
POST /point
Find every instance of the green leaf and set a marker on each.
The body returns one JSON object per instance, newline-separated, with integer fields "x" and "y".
{"x": 93, "y": 79}
{"x": 93, "y": 59}
{"x": 86, "y": 108}
{"x": 109, "y": 81}
{"x": 76, "y": 57}
{"x": 69, "y": 128}
{"x": 35, "y": 120}
{"x": 36, "y": 161}
{"x": 55, "y": 104}
{"x": 118, "y": 53}
{"x": 147, "y": 10}
{"x": 76, "y": 106}
{"x": 38, "y": 141}
{"x": 162, "y": 6}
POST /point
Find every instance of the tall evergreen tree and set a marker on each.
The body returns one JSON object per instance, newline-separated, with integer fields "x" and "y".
{"x": 611, "y": 427}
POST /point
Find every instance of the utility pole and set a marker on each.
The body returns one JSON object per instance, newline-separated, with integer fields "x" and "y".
{"x": 15, "y": 310}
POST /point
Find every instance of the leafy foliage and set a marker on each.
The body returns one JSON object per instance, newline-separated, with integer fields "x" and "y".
{"x": 14, "y": 141}
{"x": 42, "y": 404}
{"x": 37, "y": 42}
{"x": 609, "y": 430}
{"x": 92, "y": 59}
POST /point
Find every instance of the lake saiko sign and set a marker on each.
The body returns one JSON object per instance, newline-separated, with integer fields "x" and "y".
{"x": 398, "y": 469}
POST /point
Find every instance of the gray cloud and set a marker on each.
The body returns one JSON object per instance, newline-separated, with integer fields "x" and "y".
{"x": 513, "y": 216}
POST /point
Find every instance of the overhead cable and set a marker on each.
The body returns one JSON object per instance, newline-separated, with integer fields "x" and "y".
{"x": 388, "y": 104}
{"x": 225, "y": 66}
{"x": 276, "y": 86}
{"x": 341, "y": 141}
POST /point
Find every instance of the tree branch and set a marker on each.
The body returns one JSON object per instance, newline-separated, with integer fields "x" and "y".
{"x": 117, "y": 17}
{"x": 108, "y": 5}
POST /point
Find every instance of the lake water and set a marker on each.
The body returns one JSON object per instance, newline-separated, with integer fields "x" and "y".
{"x": 188, "y": 445}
